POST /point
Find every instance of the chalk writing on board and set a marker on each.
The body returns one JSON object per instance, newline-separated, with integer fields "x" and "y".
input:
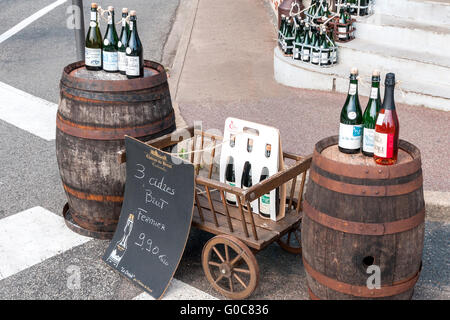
{"x": 142, "y": 216}
{"x": 151, "y": 248}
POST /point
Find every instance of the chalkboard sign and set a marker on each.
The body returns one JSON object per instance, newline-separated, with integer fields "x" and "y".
{"x": 155, "y": 219}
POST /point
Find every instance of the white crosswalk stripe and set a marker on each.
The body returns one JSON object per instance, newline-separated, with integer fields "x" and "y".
{"x": 35, "y": 235}
{"x": 27, "y": 112}
{"x": 32, "y": 236}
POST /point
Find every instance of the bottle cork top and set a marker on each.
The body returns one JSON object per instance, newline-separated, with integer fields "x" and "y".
{"x": 125, "y": 10}
{"x": 132, "y": 12}
{"x": 94, "y": 5}
{"x": 376, "y": 73}
{"x": 110, "y": 8}
{"x": 354, "y": 70}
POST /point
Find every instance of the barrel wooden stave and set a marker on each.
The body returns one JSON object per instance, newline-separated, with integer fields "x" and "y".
{"x": 93, "y": 117}
{"x": 337, "y": 257}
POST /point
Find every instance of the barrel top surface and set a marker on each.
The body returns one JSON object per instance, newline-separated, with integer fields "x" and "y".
{"x": 76, "y": 76}
{"x": 333, "y": 153}
{"x": 83, "y": 73}
{"x": 328, "y": 157}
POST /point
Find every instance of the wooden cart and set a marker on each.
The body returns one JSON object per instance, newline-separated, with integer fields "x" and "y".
{"x": 228, "y": 259}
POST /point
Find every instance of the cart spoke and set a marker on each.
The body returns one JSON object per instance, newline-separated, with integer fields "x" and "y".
{"x": 227, "y": 256}
{"x": 219, "y": 278}
{"x": 237, "y": 258}
{"x": 218, "y": 254}
{"x": 296, "y": 236}
{"x": 215, "y": 264}
{"x": 230, "y": 280}
{"x": 240, "y": 280}
{"x": 247, "y": 271}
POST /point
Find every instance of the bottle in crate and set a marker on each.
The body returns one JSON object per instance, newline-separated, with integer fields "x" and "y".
{"x": 333, "y": 48}
{"x": 281, "y": 31}
{"x": 306, "y": 44}
{"x": 315, "y": 55}
{"x": 324, "y": 48}
{"x": 289, "y": 39}
{"x": 342, "y": 25}
{"x": 299, "y": 39}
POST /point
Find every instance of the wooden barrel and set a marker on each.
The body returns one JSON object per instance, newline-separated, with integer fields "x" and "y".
{"x": 363, "y": 220}
{"x": 96, "y": 110}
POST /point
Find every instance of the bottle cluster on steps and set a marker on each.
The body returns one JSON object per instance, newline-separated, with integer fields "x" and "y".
{"x": 356, "y": 7}
{"x": 376, "y": 131}
{"x": 112, "y": 53}
{"x": 307, "y": 42}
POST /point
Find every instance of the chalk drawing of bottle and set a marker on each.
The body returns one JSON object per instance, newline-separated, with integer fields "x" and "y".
{"x": 121, "y": 246}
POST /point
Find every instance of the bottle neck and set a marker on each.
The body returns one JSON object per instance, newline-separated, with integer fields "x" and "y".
{"x": 353, "y": 87}
{"x": 388, "y": 102}
{"x": 375, "y": 82}
{"x": 133, "y": 25}
{"x": 94, "y": 15}
{"x": 111, "y": 18}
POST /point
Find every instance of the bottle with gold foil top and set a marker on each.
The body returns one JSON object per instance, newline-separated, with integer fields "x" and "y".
{"x": 93, "y": 46}
{"x": 110, "y": 44}
{"x": 135, "y": 52}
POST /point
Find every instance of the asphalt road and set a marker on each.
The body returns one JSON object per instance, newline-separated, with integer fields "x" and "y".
{"x": 32, "y": 61}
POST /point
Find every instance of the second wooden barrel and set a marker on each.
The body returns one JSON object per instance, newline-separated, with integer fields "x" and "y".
{"x": 96, "y": 111}
{"x": 362, "y": 221}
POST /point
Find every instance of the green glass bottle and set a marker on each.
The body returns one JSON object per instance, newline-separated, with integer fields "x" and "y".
{"x": 110, "y": 44}
{"x": 123, "y": 43}
{"x": 289, "y": 37}
{"x": 315, "y": 55}
{"x": 135, "y": 52}
{"x": 306, "y": 49}
{"x": 246, "y": 179}
{"x": 370, "y": 115}
{"x": 342, "y": 28}
{"x": 350, "y": 128}
{"x": 93, "y": 47}
{"x": 324, "y": 48}
{"x": 230, "y": 179}
{"x": 333, "y": 48}
{"x": 282, "y": 29}
{"x": 298, "y": 43}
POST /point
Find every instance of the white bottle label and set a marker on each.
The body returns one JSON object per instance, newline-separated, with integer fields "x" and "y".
{"x": 368, "y": 140}
{"x": 110, "y": 61}
{"x": 133, "y": 67}
{"x": 380, "y": 119}
{"x": 324, "y": 58}
{"x": 296, "y": 53}
{"x": 94, "y": 16}
{"x": 131, "y": 25}
{"x": 110, "y": 19}
{"x": 380, "y": 144}
{"x": 264, "y": 204}
{"x": 352, "y": 89}
{"x": 229, "y": 196}
{"x": 374, "y": 93}
{"x": 342, "y": 31}
{"x": 315, "y": 57}
{"x": 93, "y": 57}
{"x": 122, "y": 61}
{"x": 350, "y": 136}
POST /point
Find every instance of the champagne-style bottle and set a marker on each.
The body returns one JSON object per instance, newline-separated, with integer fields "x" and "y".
{"x": 110, "y": 44}
{"x": 331, "y": 45}
{"x": 123, "y": 43}
{"x": 246, "y": 179}
{"x": 306, "y": 49}
{"x": 324, "y": 48}
{"x": 350, "y": 127}
{"x": 387, "y": 127}
{"x": 230, "y": 179}
{"x": 315, "y": 56}
{"x": 264, "y": 201}
{"x": 370, "y": 115}
{"x": 289, "y": 37}
{"x": 282, "y": 30}
{"x": 298, "y": 44}
{"x": 135, "y": 52}
{"x": 93, "y": 47}
{"x": 342, "y": 28}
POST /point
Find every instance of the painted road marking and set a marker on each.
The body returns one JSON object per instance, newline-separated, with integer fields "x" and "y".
{"x": 32, "y": 236}
{"x": 24, "y": 23}
{"x": 27, "y": 112}
{"x": 179, "y": 290}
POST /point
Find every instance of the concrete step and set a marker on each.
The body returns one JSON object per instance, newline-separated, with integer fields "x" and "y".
{"x": 425, "y": 68}
{"x": 413, "y": 91}
{"x": 403, "y": 33}
{"x": 435, "y": 12}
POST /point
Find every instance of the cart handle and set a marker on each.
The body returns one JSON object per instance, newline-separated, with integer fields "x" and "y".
{"x": 277, "y": 180}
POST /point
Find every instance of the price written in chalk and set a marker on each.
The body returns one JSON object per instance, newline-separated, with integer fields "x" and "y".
{"x": 151, "y": 248}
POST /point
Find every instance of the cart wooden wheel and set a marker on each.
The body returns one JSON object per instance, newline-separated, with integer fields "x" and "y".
{"x": 291, "y": 241}
{"x": 230, "y": 267}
